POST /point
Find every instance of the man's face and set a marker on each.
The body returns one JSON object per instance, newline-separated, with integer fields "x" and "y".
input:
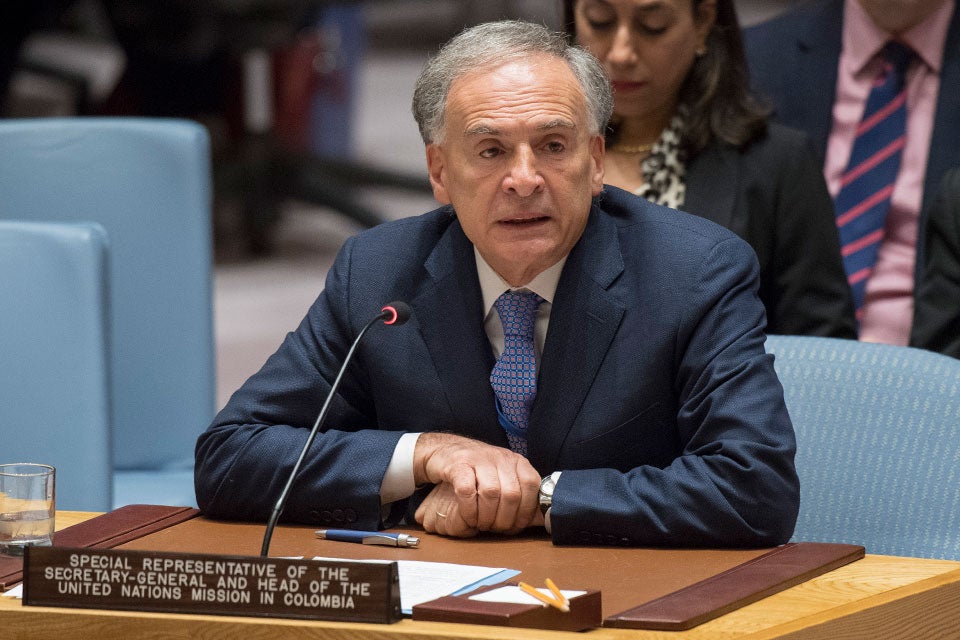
{"x": 518, "y": 163}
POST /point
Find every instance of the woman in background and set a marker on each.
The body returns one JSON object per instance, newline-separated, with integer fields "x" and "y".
{"x": 687, "y": 133}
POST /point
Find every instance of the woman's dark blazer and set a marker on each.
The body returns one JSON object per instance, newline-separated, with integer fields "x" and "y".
{"x": 772, "y": 194}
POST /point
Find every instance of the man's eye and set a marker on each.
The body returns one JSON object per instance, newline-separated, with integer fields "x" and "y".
{"x": 555, "y": 147}
{"x": 490, "y": 152}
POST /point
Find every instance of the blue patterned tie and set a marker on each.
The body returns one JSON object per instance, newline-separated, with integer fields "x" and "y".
{"x": 867, "y": 182}
{"x": 514, "y": 376}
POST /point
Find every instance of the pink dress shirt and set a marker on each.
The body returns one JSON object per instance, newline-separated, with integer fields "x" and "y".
{"x": 888, "y": 309}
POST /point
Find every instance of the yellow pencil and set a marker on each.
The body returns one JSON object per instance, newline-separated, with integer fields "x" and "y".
{"x": 553, "y": 589}
{"x": 543, "y": 598}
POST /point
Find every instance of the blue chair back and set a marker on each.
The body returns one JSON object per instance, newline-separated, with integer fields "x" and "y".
{"x": 147, "y": 181}
{"x": 878, "y": 444}
{"x": 54, "y": 368}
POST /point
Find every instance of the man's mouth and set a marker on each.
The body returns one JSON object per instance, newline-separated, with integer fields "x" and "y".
{"x": 526, "y": 221}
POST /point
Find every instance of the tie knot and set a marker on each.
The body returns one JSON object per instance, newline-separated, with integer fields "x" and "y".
{"x": 518, "y": 311}
{"x": 898, "y": 55}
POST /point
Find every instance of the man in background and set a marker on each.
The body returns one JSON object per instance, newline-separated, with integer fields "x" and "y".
{"x": 876, "y": 83}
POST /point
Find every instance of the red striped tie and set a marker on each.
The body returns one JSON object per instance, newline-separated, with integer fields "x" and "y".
{"x": 867, "y": 183}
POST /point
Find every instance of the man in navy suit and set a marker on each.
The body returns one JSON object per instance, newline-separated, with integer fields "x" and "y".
{"x": 657, "y": 418}
{"x": 817, "y": 64}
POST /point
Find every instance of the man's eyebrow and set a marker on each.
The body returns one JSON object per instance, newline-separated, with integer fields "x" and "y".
{"x": 559, "y": 123}
{"x": 487, "y": 130}
{"x": 482, "y": 130}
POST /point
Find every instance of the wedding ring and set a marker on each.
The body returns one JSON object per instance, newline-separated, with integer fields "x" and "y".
{"x": 441, "y": 515}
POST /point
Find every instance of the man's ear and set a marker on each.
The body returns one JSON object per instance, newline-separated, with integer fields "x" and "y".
{"x": 436, "y": 163}
{"x": 597, "y": 152}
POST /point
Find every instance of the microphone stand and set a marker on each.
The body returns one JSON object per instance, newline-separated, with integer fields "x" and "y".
{"x": 391, "y": 315}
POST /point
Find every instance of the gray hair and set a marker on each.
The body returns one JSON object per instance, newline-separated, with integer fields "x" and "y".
{"x": 496, "y": 43}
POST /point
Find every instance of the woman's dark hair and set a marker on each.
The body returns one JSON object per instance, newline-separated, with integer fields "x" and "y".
{"x": 717, "y": 89}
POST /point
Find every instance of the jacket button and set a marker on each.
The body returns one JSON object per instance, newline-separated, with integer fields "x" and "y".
{"x": 338, "y": 515}
{"x": 351, "y": 515}
{"x": 315, "y": 516}
{"x": 325, "y": 516}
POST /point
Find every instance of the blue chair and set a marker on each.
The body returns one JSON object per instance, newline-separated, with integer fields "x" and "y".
{"x": 878, "y": 444}
{"x": 54, "y": 371}
{"x": 147, "y": 181}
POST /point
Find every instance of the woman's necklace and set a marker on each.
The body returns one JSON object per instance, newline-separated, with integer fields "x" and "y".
{"x": 631, "y": 148}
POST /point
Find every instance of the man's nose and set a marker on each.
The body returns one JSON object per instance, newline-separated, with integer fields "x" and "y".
{"x": 523, "y": 178}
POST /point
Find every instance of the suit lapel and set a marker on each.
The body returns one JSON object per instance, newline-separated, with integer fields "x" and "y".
{"x": 712, "y": 180}
{"x": 946, "y": 124}
{"x": 448, "y": 309}
{"x": 583, "y": 323}
{"x": 818, "y": 52}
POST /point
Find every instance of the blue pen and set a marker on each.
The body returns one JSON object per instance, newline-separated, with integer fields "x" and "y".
{"x": 369, "y": 537}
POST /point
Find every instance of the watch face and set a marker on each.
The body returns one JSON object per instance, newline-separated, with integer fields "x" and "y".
{"x": 547, "y": 486}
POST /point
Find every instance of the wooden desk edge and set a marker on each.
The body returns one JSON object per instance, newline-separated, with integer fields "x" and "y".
{"x": 30, "y": 624}
{"x": 859, "y": 619}
{"x": 66, "y": 519}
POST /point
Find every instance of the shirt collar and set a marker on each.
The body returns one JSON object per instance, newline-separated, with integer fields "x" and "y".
{"x": 863, "y": 40}
{"x": 492, "y": 285}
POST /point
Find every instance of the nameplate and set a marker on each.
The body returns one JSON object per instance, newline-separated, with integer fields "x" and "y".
{"x": 212, "y": 584}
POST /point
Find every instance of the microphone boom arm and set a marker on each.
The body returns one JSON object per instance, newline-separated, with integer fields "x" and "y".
{"x": 390, "y": 314}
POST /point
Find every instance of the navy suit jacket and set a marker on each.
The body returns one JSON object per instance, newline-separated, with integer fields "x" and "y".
{"x": 655, "y": 396}
{"x": 793, "y": 61}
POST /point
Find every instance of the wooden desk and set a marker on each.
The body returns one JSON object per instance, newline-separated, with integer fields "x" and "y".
{"x": 875, "y": 598}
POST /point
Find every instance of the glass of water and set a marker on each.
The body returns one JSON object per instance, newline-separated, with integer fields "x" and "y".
{"x": 27, "y": 505}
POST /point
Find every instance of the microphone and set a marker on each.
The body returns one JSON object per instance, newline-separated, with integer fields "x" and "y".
{"x": 394, "y": 314}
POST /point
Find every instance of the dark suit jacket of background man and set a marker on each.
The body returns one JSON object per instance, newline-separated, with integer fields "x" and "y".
{"x": 655, "y": 397}
{"x": 936, "y": 311}
{"x": 793, "y": 61}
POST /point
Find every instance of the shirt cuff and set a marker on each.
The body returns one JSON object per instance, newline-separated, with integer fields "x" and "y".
{"x": 398, "y": 480}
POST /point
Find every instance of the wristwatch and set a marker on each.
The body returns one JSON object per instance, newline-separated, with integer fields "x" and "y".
{"x": 547, "y": 485}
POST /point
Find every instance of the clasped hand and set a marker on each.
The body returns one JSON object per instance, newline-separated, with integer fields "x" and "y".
{"x": 478, "y": 487}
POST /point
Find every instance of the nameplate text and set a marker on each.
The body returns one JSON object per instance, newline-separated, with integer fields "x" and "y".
{"x": 212, "y": 584}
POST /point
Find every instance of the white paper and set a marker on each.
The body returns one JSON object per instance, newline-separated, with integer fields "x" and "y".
{"x": 16, "y": 592}
{"x": 422, "y": 581}
{"x": 516, "y": 595}
{"x": 425, "y": 581}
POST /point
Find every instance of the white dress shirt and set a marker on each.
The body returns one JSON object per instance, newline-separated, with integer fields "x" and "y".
{"x": 398, "y": 481}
